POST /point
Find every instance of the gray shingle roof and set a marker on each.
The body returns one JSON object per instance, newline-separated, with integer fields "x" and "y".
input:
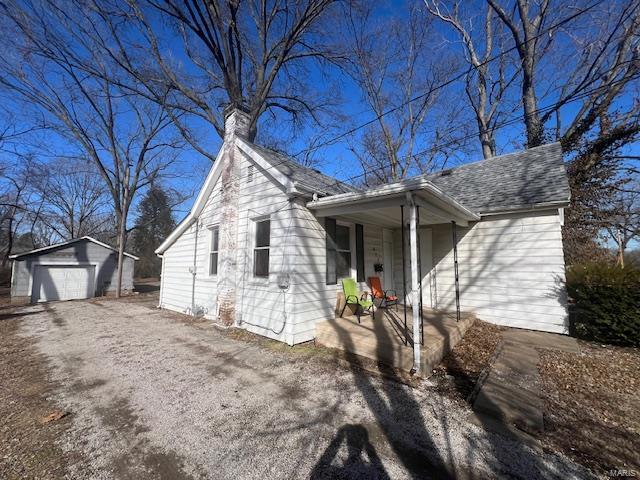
{"x": 307, "y": 177}
{"x": 515, "y": 180}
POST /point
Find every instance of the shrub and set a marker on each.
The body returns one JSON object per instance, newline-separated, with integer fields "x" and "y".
{"x": 606, "y": 303}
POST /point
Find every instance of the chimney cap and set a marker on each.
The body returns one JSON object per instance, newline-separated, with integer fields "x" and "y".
{"x": 233, "y": 107}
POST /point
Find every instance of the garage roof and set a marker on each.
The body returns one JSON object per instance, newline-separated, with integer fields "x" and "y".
{"x": 64, "y": 244}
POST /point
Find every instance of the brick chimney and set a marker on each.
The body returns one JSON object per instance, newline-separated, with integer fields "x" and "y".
{"x": 236, "y": 124}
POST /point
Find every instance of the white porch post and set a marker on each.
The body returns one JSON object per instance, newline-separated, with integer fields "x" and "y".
{"x": 415, "y": 281}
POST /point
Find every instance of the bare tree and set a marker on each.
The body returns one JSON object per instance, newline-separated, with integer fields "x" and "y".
{"x": 397, "y": 75}
{"x": 74, "y": 197}
{"x": 624, "y": 219}
{"x": 526, "y": 27}
{"x": 578, "y": 77}
{"x": 599, "y": 57}
{"x": 15, "y": 203}
{"x": 257, "y": 55}
{"x": 127, "y": 137}
{"x": 488, "y": 83}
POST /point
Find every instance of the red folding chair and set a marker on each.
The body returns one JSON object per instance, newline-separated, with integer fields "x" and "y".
{"x": 386, "y": 297}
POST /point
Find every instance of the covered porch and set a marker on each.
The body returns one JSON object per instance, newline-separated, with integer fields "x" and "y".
{"x": 382, "y": 338}
{"x": 391, "y": 223}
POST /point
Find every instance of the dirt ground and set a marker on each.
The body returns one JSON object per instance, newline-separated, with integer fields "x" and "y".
{"x": 592, "y": 405}
{"x": 27, "y": 440}
{"x": 591, "y": 399}
{"x": 152, "y": 394}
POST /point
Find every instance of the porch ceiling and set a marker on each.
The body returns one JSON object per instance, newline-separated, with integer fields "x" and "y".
{"x": 381, "y": 206}
{"x": 388, "y": 217}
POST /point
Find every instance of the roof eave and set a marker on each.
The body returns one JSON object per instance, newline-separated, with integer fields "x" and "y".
{"x": 69, "y": 242}
{"x": 526, "y": 208}
{"x": 398, "y": 189}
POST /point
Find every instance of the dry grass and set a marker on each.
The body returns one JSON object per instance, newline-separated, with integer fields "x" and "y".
{"x": 324, "y": 357}
{"x": 27, "y": 443}
{"x": 592, "y": 405}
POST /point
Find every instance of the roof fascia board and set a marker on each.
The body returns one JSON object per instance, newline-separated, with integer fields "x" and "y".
{"x": 422, "y": 187}
{"x": 385, "y": 190}
{"x": 198, "y": 205}
{"x": 360, "y": 206}
{"x": 67, "y": 243}
{"x": 108, "y": 246}
{"x": 531, "y": 208}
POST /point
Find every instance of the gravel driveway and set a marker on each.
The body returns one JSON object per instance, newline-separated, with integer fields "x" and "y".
{"x": 154, "y": 395}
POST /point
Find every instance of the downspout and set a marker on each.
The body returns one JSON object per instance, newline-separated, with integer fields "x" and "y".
{"x": 193, "y": 270}
{"x": 454, "y": 240}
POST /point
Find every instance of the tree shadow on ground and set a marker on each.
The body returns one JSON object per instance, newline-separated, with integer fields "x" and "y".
{"x": 397, "y": 414}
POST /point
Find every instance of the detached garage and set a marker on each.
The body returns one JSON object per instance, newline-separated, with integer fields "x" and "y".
{"x": 80, "y": 268}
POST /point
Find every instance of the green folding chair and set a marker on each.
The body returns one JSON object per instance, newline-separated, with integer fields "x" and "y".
{"x": 352, "y": 297}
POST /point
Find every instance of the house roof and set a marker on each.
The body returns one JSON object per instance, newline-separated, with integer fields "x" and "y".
{"x": 528, "y": 179}
{"x": 304, "y": 177}
{"x": 64, "y": 244}
{"x": 534, "y": 178}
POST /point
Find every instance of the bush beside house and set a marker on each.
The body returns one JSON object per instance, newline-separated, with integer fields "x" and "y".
{"x": 605, "y": 303}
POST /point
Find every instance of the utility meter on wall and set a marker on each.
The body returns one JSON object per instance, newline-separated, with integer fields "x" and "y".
{"x": 283, "y": 281}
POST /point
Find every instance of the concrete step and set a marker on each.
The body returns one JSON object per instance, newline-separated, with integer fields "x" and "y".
{"x": 386, "y": 346}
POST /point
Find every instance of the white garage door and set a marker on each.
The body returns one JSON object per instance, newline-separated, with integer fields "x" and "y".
{"x": 62, "y": 282}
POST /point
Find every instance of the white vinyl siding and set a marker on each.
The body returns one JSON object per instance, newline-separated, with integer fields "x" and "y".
{"x": 261, "y": 305}
{"x": 511, "y": 270}
{"x": 511, "y": 266}
{"x": 179, "y": 263}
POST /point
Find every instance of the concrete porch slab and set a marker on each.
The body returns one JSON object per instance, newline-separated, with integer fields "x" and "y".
{"x": 382, "y": 337}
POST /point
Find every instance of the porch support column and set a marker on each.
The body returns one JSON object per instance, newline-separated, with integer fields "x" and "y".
{"x": 415, "y": 281}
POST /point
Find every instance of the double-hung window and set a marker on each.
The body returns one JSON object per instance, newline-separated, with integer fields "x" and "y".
{"x": 339, "y": 251}
{"x": 343, "y": 251}
{"x": 261, "y": 248}
{"x": 213, "y": 250}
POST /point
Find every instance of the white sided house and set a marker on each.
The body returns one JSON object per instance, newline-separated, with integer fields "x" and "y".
{"x": 267, "y": 241}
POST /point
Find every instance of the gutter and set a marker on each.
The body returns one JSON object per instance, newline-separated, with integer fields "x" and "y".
{"x": 392, "y": 190}
{"x": 527, "y": 208}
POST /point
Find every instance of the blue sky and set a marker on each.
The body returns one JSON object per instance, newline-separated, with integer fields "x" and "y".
{"x": 337, "y": 160}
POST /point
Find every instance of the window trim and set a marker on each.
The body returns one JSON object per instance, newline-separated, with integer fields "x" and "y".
{"x": 254, "y": 248}
{"x": 213, "y": 228}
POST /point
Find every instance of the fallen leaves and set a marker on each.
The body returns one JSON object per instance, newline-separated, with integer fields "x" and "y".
{"x": 592, "y": 409}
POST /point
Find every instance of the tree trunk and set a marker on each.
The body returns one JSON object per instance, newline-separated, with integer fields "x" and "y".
{"x": 122, "y": 238}
{"x": 531, "y": 117}
{"x": 5, "y": 258}
{"x": 621, "y": 247}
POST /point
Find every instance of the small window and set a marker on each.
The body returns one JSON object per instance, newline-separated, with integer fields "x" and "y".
{"x": 261, "y": 248}
{"x": 343, "y": 251}
{"x": 250, "y": 174}
{"x": 213, "y": 252}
